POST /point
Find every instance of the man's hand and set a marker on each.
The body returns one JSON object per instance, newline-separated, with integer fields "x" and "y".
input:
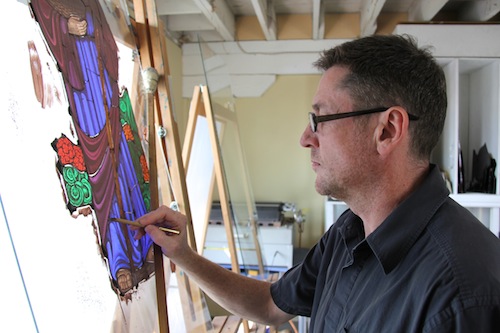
{"x": 172, "y": 245}
{"x": 77, "y": 26}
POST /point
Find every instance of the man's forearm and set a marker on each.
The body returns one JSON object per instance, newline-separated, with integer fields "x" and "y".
{"x": 243, "y": 296}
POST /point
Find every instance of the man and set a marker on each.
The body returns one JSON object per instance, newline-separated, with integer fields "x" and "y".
{"x": 405, "y": 257}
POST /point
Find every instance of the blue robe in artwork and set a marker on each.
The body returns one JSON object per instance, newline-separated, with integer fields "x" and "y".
{"x": 89, "y": 66}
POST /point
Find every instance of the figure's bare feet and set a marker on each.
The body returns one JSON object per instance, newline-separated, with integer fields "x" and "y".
{"x": 124, "y": 279}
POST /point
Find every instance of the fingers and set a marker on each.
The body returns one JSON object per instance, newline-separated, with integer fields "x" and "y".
{"x": 170, "y": 244}
{"x": 161, "y": 216}
{"x": 158, "y": 236}
{"x": 173, "y": 242}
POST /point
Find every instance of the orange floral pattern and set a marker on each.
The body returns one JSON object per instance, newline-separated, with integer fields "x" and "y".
{"x": 144, "y": 166}
{"x": 129, "y": 135}
{"x": 70, "y": 154}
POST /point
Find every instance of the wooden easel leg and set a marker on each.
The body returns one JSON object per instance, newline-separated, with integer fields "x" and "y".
{"x": 153, "y": 54}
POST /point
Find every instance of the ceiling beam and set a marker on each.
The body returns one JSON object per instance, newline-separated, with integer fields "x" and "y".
{"x": 480, "y": 10}
{"x": 370, "y": 10}
{"x": 220, "y": 16}
{"x": 425, "y": 10}
{"x": 264, "y": 9}
{"x": 475, "y": 39}
{"x": 176, "y": 7}
{"x": 188, "y": 22}
{"x": 265, "y": 59}
{"x": 318, "y": 17}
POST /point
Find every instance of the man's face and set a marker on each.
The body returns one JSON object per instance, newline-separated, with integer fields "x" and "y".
{"x": 339, "y": 148}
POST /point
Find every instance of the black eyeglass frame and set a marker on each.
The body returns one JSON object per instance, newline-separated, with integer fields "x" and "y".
{"x": 314, "y": 120}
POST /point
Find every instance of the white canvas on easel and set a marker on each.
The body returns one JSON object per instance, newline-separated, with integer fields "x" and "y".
{"x": 202, "y": 156}
{"x": 200, "y": 177}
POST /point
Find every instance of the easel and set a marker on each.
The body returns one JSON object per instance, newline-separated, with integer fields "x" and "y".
{"x": 168, "y": 169}
{"x": 170, "y": 172}
{"x": 201, "y": 106}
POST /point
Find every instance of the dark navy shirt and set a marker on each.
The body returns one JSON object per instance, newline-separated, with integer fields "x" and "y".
{"x": 431, "y": 266}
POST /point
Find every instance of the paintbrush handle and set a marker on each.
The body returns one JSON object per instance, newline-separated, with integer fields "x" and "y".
{"x": 137, "y": 224}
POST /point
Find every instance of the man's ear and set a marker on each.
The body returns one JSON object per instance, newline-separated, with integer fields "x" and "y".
{"x": 391, "y": 129}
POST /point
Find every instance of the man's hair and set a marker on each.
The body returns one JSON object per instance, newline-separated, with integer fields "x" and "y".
{"x": 390, "y": 71}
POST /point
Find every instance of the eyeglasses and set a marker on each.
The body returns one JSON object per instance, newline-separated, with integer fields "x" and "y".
{"x": 314, "y": 120}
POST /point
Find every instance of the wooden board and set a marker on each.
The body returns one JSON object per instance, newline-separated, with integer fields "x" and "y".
{"x": 172, "y": 178}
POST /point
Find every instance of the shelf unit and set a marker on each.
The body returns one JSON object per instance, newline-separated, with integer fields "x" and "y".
{"x": 473, "y": 119}
{"x": 276, "y": 244}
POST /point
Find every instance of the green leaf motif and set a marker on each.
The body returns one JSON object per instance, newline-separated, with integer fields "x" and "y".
{"x": 78, "y": 187}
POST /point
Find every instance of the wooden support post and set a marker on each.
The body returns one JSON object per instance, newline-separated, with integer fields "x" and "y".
{"x": 145, "y": 51}
{"x": 150, "y": 80}
{"x": 172, "y": 178}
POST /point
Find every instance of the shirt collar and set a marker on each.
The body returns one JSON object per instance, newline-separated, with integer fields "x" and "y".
{"x": 392, "y": 240}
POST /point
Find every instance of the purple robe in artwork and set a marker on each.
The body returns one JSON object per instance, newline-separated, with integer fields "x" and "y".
{"x": 89, "y": 66}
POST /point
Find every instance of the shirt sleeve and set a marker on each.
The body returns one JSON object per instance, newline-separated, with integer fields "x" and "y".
{"x": 473, "y": 315}
{"x": 294, "y": 291}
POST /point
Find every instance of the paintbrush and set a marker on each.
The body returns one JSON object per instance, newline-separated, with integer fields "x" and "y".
{"x": 137, "y": 224}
